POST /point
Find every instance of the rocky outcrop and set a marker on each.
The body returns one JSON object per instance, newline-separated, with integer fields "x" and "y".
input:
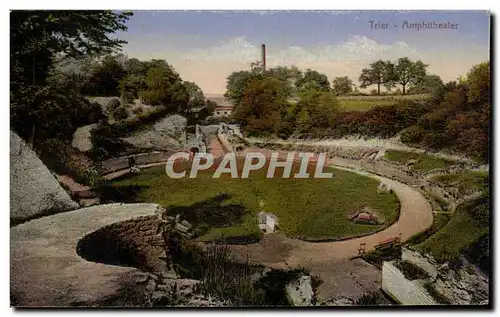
{"x": 34, "y": 191}
{"x": 167, "y": 133}
{"x": 300, "y": 292}
{"x": 82, "y": 138}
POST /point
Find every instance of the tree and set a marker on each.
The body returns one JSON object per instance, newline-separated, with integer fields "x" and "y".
{"x": 313, "y": 80}
{"x": 236, "y": 84}
{"x": 316, "y": 110}
{"x": 409, "y": 73}
{"x": 288, "y": 75}
{"x": 165, "y": 88}
{"x": 37, "y": 39}
{"x": 106, "y": 77}
{"x": 380, "y": 73}
{"x": 428, "y": 84}
{"x": 342, "y": 85}
{"x": 196, "y": 97}
{"x": 478, "y": 81}
{"x": 262, "y": 106}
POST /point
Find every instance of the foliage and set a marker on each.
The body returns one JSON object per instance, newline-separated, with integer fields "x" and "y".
{"x": 429, "y": 84}
{"x": 105, "y": 78}
{"x": 371, "y": 299}
{"x": 237, "y": 83}
{"x": 380, "y": 73}
{"x": 466, "y": 181}
{"x": 62, "y": 158}
{"x": 407, "y": 72}
{"x": 220, "y": 275}
{"x": 165, "y": 88}
{"x": 264, "y": 101}
{"x": 342, "y": 85}
{"x": 466, "y": 226}
{"x": 315, "y": 110}
{"x": 461, "y": 121}
{"x": 411, "y": 271}
{"x": 313, "y": 80}
{"x": 40, "y": 108}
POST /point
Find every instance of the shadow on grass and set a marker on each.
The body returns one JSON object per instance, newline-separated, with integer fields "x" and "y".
{"x": 212, "y": 212}
{"x": 124, "y": 194}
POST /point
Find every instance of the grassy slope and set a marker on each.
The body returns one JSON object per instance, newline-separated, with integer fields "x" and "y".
{"x": 364, "y": 103}
{"x": 424, "y": 162}
{"x": 459, "y": 233}
{"x": 466, "y": 181}
{"x": 311, "y": 208}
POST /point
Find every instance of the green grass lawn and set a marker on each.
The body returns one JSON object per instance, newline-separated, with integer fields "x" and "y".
{"x": 225, "y": 207}
{"x": 466, "y": 181}
{"x": 424, "y": 162}
{"x": 460, "y": 232}
{"x": 364, "y": 103}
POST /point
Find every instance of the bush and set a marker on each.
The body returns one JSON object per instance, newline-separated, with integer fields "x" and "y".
{"x": 220, "y": 275}
{"x": 62, "y": 158}
{"x": 119, "y": 113}
{"x": 138, "y": 111}
{"x": 113, "y": 104}
{"x": 127, "y": 98}
{"x": 412, "y": 271}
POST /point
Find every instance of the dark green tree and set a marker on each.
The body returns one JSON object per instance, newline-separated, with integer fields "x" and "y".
{"x": 342, "y": 85}
{"x": 37, "y": 39}
{"x": 313, "y": 80}
{"x": 407, "y": 72}
{"x": 380, "y": 73}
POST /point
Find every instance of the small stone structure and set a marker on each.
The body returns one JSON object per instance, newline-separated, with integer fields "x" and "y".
{"x": 463, "y": 286}
{"x": 406, "y": 292}
{"x": 366, "y": 215}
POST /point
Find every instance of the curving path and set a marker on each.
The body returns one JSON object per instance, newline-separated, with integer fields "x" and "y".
{"x": 279, "y": 251}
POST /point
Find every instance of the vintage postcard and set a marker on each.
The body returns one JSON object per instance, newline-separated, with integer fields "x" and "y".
{"x": 250, "y": 158}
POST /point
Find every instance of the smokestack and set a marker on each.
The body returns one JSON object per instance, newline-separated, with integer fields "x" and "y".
{"x": 264, "y": 57}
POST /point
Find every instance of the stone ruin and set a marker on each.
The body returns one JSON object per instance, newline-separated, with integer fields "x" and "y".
{"x": 366, "y": 215}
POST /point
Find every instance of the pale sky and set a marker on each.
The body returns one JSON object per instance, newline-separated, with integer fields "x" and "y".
{"x": 205, "y": 47}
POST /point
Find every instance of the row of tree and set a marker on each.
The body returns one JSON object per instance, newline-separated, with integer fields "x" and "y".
{"x": 284, "y": 101}
{"x": 155, "y": 81}
{"x": 411, "y": 75}
{"x": 386, "y": 73}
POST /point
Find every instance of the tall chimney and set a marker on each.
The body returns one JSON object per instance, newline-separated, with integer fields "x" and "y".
{"x": 264, "y": 57}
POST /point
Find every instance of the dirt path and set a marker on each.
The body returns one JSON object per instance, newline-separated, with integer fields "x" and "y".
{"x": 279, "y": 251}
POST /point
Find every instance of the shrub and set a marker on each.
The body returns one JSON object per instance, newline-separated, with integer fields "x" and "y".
{"x": 371, "y": 299}
{"x": 127, "y": 98}
{"x": 412, "y": 271}
{"x": 119, "y": 113}
{"x": 62, "y": 158}
{"x": 113, "y": 104}
{"x": 138, "y": 111}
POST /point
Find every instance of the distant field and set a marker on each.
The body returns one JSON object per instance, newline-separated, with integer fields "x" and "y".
{"x": 364, "y": 103}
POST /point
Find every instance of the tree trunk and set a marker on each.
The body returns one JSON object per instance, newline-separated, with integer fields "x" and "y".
{"x": 404, "y": 89}
{"x": 378, "y": 90}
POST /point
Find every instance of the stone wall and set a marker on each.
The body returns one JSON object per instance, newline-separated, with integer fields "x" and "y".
{"x": 222, "y": 135}
{"x": 136, "y": 242}
{"x": 406, "y": 292}
{"x": 120, "y": 163}
{"x": 34, "y": 191}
